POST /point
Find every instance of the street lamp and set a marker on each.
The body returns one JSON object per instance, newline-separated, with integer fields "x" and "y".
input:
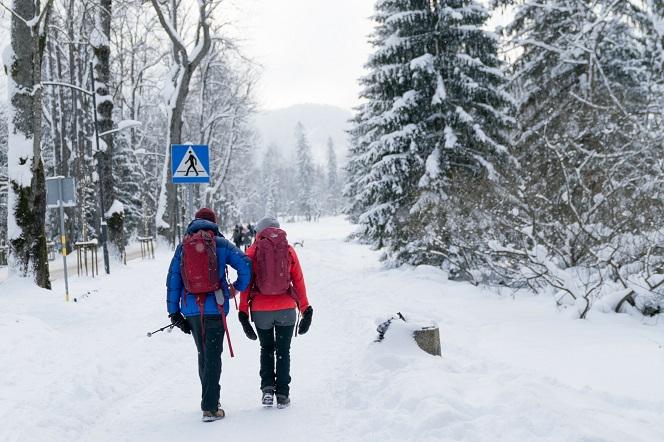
{"x": 126, "y": 124}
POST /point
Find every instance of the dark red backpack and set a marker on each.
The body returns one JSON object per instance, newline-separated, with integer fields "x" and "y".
{"x": 272, "y": 262}
{"x": 198, "y": 266}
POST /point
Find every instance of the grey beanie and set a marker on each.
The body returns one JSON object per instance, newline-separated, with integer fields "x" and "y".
{"x": 268, "y": 221}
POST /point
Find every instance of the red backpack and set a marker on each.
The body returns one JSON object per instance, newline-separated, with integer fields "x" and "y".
{"x": 272, "y": 262}
{"x": 198, "y": 266}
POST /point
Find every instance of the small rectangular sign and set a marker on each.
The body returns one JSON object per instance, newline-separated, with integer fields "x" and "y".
{"x": 54, "y": 186}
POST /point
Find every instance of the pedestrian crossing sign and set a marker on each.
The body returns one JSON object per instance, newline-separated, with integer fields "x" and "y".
{"x": 190, "y": 163}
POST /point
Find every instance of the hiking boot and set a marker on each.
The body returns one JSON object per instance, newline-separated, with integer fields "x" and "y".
{"x": 282, "y": 401}
{"x": 218, "y": 406}
{"x": 210, "y": 416}
{"x": 268, "y": 397}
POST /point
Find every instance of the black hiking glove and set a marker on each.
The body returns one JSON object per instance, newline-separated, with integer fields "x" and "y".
{"x": 246, "y": 326}
{"x": 178, "y": 320}
{"x": 305, "y": 322}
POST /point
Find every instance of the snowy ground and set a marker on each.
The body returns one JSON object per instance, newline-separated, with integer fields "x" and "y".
{"x": 512, "y": 369}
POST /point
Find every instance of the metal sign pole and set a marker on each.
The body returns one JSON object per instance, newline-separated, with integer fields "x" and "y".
{"x": 61, "y": 193}
{"x": 176, "y": 217}
{"x": 190, "y": 203}
{"x": 183, "y": 224}
{"x": 63, "y": 239}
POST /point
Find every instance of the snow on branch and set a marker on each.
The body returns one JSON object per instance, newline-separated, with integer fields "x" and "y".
{"x": 172, "y": 33}
{"x": 36, "y": 21}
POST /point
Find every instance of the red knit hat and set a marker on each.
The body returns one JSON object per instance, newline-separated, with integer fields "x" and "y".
{"x": 207, "y": 214}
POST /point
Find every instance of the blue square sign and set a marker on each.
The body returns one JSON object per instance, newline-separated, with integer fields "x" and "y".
{"x": 190, "y": 163}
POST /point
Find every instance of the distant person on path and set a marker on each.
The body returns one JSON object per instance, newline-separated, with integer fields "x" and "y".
{"x": 192, "y": 164}
{"x": 197, "y": 298}
{"x": 252, "y": 233}
{"x": 246, "y": 237}
{"x": 237, "y": 235}
{"x": 272, "y": 299}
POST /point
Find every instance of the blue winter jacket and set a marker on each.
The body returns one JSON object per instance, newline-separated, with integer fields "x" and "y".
{"x": 227, "y": 254}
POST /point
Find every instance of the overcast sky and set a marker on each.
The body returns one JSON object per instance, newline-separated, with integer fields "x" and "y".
{"x": 311, "y": 51}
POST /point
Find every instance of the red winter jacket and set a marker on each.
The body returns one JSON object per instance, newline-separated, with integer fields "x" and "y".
{"x": 262, "y": 303}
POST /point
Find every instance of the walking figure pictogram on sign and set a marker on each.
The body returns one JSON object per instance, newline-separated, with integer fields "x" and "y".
{"x": 190, "y": 164}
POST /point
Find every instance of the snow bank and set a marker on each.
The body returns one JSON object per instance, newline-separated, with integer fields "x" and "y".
{"x": 512, "y": 369}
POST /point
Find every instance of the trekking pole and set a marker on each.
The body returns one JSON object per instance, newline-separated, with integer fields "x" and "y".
{"x": 169, "y": 327}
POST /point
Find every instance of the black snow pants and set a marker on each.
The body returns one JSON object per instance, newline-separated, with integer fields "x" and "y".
{"x": 275, "y": 330}
{"x": 209, "y": 338}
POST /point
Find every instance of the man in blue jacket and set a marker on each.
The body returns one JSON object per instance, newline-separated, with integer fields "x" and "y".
{"x": 208, "y": 329}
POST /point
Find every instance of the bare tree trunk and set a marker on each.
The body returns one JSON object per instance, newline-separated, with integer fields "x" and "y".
{"x": 27, "y": 193}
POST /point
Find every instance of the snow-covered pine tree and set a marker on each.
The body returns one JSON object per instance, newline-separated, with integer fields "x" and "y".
{"x": 333, "y": 184}
{"x": 287, "y": 176}
{"x": 128, "y": 183}
{"x": 305, "y": 174}
{"x": 320, "y": 191}
{"x": 357, "y": 167}
{"x": 270, "y": 185}
{"x": 389, "y": 131}
{"x": 435, "y": 121}
{"x": 468, "y": 122}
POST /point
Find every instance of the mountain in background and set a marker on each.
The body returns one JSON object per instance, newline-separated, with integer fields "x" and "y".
{"x": 320, "y": 122}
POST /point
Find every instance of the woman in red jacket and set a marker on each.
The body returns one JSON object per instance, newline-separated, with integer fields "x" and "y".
{"x": 275, "y": 293}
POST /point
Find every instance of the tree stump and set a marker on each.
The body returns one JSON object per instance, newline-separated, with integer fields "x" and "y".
{"x": 428, "y": 339}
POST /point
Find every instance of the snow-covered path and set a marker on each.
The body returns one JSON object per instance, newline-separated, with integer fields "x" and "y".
{"x": 512, "y": 369}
